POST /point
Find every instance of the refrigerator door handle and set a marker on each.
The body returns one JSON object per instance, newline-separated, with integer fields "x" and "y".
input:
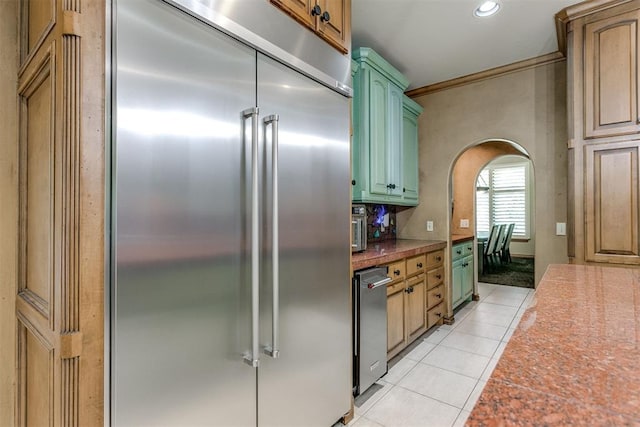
{"x": 274, "y": 349}
{"x": 253, "y": 359}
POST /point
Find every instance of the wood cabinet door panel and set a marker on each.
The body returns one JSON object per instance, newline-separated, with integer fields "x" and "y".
{"x": 300, "y": 10}
{"x": 610, "y": 76}
{"x": 395, "y": 320}
{"x": 612, "y": 203}
{"x": 416, "y": 307}
{"x": 337, "y": 30}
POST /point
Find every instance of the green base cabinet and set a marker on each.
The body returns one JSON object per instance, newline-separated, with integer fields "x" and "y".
{"x": 382, "y": 118}
{"x": 462, "y": 277}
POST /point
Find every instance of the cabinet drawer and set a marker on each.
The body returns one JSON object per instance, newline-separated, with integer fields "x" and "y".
{"x": 415, "y": 280}
{"x": 396, "y": 287}
{"x": 435, "y": 259}
{"x": 416, "y": 264}
{"x": 435, "y": 314}
{"x": 468, "y": 248}
{"x": 458, "y": 251}
{"x": 435, "y": 277}
{"x": 397, "y": 270}
{"x": 435, "y": 296}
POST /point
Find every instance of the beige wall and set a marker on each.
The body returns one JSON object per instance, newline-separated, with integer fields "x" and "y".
{"x": 465, "y": 172}
{"x": 9, "y": 211}
{"x": 527, "y": 107}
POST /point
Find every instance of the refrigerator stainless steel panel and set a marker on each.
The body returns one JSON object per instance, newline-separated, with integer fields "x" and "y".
{"x": 309, "y": 383}
{"x": 268, "y": 29}
{"x": 181, "y": 301}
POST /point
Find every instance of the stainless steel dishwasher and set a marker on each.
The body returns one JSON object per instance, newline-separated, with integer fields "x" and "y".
{"x": 370, "y": 327}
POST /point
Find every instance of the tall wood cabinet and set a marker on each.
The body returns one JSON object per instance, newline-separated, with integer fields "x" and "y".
{"x": 604, "y": 132}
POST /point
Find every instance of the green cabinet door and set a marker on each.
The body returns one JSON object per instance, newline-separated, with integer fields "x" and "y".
{"x": 411, "y": 111}
{"x": 378, "y": 131}
{"x": 394, "y": 141}
{"x": 467, "y": 280}
{"x": 456, "y": 283}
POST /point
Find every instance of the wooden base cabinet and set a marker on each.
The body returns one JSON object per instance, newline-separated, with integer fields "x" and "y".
{"x": 415, "y": 299}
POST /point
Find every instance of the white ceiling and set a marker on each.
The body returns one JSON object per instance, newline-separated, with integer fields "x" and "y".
{"x": 431, "y": 41}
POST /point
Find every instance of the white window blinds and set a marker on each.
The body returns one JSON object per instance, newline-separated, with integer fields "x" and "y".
{"x": 505, "y": 199}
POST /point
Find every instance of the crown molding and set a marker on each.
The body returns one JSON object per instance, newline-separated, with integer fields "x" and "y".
{"x": 576, "y": 11}
{"x": 549, "y": 58}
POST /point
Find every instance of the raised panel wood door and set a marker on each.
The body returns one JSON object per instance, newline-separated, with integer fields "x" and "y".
{"x": 416, "y": 307}
{"x": 300, "y": 10}
{"x": 395, "y": 320}
{"x": 611, "y": 203}
{"x": 394, "y": 140}
{"x": 60, "y": 282}
{"x": 334, "y": 23}
{"x": 610, "y": 76}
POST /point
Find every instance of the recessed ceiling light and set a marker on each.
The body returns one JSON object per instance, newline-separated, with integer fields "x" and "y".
{"x": 487, "y": 8}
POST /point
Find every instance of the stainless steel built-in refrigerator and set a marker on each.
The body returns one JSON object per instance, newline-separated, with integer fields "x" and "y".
{"x": 230, "y": 218}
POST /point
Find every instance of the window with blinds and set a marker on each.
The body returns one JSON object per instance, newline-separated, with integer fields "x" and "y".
{"x": 501, "y": 198}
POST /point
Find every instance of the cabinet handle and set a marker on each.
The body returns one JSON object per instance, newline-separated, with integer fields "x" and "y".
{"x": 438, "y": 295}
{"x": 419, "y": 265}
{"x": 396, "y": 272}
{"x": 469, "y": 249}
{"x": 316, "y": 10}
{"x": 353, "y": 182}
{"x": 458, "y": 251}
{"x": 438, "y": 276}
{"x": 404, "y": 190}
{"x": 438, "y": 258}
{"x": 439, "y": 314}
{"x": 325, "y": 17}
{"x": 391, "y": 186}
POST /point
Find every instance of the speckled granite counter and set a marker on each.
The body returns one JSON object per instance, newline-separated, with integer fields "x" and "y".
{"x": 391, "y": 250}
{"x": 574, "y": 358}
{"x": 459, "y": 238}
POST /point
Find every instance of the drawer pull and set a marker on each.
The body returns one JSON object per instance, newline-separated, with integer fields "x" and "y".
{"x": 438, "y": 295}
{"x": 438, "y": 258}
{"x": 396, "y": 272}
{"x": 438, "y": 276}
{"x": 459, "y": 251}
{"x": 419, "y": 265}
{"x": 469, "y": 249}
{"x": 439, "y": 314}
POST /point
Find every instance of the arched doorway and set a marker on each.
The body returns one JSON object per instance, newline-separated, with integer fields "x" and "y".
{"x": 463, "y": 178}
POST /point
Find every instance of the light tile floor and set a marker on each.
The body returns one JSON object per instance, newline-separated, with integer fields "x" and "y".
{"x": 438, "y": 379}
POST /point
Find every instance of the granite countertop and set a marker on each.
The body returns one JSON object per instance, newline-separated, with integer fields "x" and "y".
{"x": 574, "y": 359}
{"x": 459, "y": 238}
{"x": 392, "y": 250}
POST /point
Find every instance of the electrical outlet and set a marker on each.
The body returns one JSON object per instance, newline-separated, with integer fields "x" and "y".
{"x": 464, "y": 223}
{"x": 561, "y": 229}
{"x": 429, "y": 225}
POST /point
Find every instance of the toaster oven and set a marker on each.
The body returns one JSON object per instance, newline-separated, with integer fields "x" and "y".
{"x": 358, "y": 228}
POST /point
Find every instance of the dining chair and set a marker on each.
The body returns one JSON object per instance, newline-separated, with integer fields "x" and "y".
{"x": 490, "y": 247}
{"x": 505, "y": 252}
{"x": 495, "y": 252}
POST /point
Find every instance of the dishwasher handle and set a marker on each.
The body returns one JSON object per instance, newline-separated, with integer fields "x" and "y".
{"x": 381, "y": 282}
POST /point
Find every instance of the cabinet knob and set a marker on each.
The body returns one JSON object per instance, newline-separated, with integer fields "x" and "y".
{"x": 438, "y": 276}
{"x": 419, "y": 265}
{"x": 439, "y": 314}
{"x": 353, "y": 182}
{"x": 458, "y": 251}
{"x": 404, "y": 190}
{"x": 438, "y": 295}
{"x": 325, "y": 17}
{"x": 391, "y": 186}
{"x": 396, "y": 272}
{"x": 438, "y": 258}
{"x": 316, "y": 10}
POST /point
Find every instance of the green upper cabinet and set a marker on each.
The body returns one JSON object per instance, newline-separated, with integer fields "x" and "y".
{"x": 379, "y": 155}
{"x": 411, "y": 111}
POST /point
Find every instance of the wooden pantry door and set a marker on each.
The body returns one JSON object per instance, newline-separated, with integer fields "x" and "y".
{"x": 59, "y": 226}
